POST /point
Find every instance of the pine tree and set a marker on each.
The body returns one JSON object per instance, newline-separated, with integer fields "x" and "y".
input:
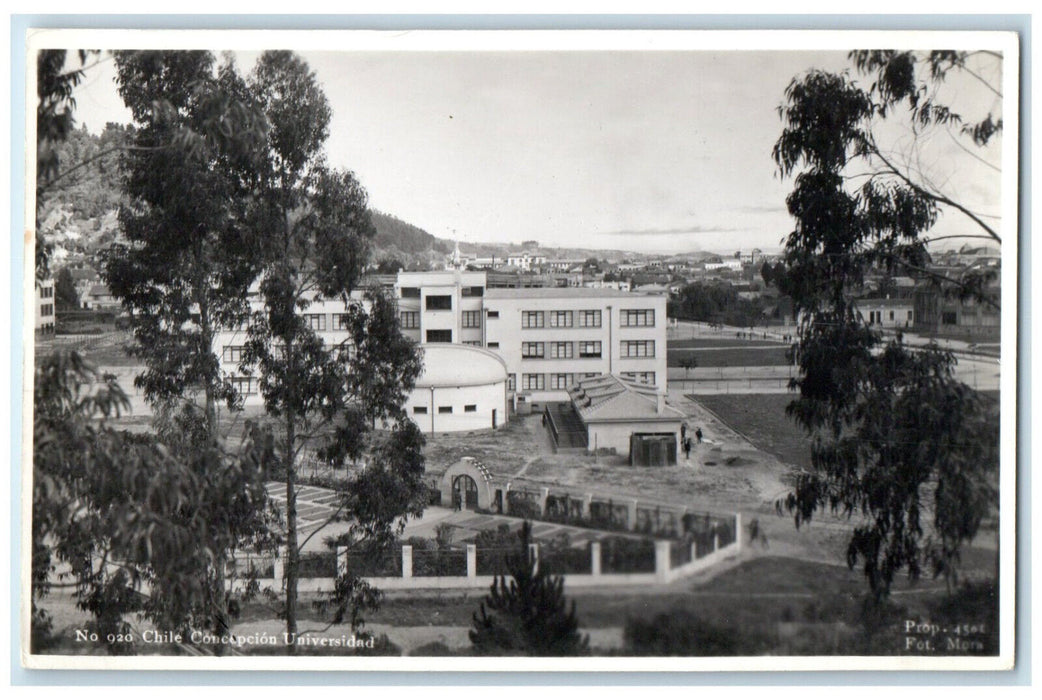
{"x": 530, "y": 615}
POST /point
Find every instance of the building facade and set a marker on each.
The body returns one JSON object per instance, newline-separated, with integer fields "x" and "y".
{"x": 43, "y": 306}
{"x": 544, "y": 339}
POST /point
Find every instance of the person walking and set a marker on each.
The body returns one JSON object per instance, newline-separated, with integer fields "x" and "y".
{"x": 698, "y": 434}
{"x": 687, "y": 450}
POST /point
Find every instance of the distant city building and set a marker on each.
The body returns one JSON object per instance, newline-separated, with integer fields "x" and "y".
{"x": 887, "y": 313}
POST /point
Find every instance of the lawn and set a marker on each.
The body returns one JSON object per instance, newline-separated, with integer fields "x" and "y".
{"x": 761, "y": 356}
{"x": 761, "y": 419}
{"x": 695, "y": 343}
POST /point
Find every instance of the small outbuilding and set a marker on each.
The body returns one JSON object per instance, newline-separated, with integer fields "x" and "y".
{"x": 462, "y": 387}
{"x": 629, "y": 417}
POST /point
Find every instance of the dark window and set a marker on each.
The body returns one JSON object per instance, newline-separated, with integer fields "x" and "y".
{"x": 493, "y": 314}
{"x": 419, "y": 409}
{"x": 949, "y": 318}
{"x": 440, "y": 302}
{"x": 444, "y": 409}
{"x": 532, "y": 319}
{"x": 470, "y": 408}
{"x": 410, "y": 292}
{"x": 532, "y": 350}
{"x": 493, "y": 345}
{"x": 473, "y": 291}
{"x": 442, "y": 336}
{"x": 410, "y": 320}
{"x": 511, "y": 382}
{"x": 589, "y": 348}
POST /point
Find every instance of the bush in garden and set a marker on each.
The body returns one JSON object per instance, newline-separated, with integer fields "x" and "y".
{"x": 681, "y": 633}
{"x": 530, "y": 615}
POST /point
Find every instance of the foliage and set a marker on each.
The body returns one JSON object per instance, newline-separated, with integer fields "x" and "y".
{"x": 531, "y": 615}
{"x": 65, "y": 295}
{"x": 682, "y": 633}
{"x": 627, "y": 555}
{"x": 714, "y": 303}
{"x": 118, "y": 510}
{"x": 889, "y": 423}
{"x": 188, "y": 258}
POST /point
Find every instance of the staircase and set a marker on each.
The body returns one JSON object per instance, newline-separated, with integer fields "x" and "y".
{"x": 567, "y": 431}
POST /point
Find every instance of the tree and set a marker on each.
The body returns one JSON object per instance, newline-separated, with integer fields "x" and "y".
{"x": 531, "y": 615}
{"x": 66, "y": 298}
{"x": 688, "y": 362}
{"x": 316, "y": 231}
{"x": 889, "y": 423}
{"x": 189, "y": 255}
{"x": 119, "y": 511}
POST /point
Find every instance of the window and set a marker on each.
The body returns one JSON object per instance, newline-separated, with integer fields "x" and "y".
{"x": 470, "y": 408}
{"x": 590, "y": 318}
{"x": 561, "y": 381}
{"x": 560, "y": 319}
{"x": 317, "y": 322}
{"x": 891, "y": 315}
{"x": 341, "y": 322}
{"x": 493, "y": 345}
{"x": 589, "y": 348}
{"x": 532, "y": 319}
{"x": 511, "y": 382}
{"x": 472, "y": 319}
{"x": 909, "y": 314}
{"x": 444, "y": 409}
{"x": 410, "y": 292}
{"x": 473, "y": 291}
{"x": 232, "y": 353}
{"x": 637, "y": 317}
{"x": 642, "y": 377}
{"x": 410, "y": 320}
{"x": 638, "y": 348}
{"x": 561, "y": 350}
{"x": 244, "y": 385}
{"x": 439, "y": 302}
{"x": 949, "y": 318}
{"x": 475, "y": 343}
{"x": 419, "y": 410}
{"x": 493, "y": 314}
{"x": 532, "y": 350}
{"x": 533, "y": 382}
{"x": 439, "y": 336}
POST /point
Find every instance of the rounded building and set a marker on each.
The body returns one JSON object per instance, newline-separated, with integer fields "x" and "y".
{"x": 462, "y": 387}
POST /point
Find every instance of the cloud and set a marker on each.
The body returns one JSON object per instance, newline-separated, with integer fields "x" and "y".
{"x": 680, "y": 231}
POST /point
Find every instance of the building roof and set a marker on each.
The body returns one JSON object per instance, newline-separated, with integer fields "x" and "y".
{"x": 452, "y": 364}
{"x": 608, "y": 397}
{"x": 554, "y": 292}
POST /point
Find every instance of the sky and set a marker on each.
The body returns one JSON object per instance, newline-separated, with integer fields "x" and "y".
{"x": 649, "y": 151}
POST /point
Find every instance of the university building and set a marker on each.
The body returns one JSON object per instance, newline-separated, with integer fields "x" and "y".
{"x": 491, "y": 352}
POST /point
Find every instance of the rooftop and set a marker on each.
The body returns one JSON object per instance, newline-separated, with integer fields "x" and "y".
{"x": 608, "y": 397}
{"x": 555, "y": 292}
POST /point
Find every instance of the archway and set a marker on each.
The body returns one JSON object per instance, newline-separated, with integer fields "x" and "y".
{"x": 471, "y": 480}
{"x": 464, "y": 492}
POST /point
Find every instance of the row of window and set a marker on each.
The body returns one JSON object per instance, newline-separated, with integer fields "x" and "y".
{"x": 414, "y": 293}
{"x": 586, "y": 349}
{"x": 563, "y": 380}
{"x": 46, "y": 309}
{"x": 467, "y": 408}
{"x": 877, "y": 316}
{"x": 46, "y": 292}
{"x": 410, "y": 320}
{"x": 587, "y": 318}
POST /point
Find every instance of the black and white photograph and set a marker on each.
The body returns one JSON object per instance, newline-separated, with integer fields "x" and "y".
{"x": 520, "y": 350}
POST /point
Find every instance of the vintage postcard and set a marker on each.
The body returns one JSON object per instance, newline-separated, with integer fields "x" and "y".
{"x": 520, "y": 350}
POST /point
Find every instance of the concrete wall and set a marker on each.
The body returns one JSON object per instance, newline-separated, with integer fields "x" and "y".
{"x": 617, "y": 435}
{"x": 485, "y": 398}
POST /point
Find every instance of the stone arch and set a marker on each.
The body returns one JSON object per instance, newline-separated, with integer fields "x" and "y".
{"x": 477, "y": 471}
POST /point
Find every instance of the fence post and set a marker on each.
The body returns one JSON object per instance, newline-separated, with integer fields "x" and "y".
{"x": 631, "y": 515}
{"x": 544, "y": 493}
{"x": 341, "y": 561}
{"x": 533, "y": 552}
{"x": 406, "y": 561}
{"x": 716, "y": 542}
{"x": 662, "y": 559}
{"x": 595, "y": 558}
{"x": 738, "y": 531}
{"x": 694, "y": 551}
{"x": 472, "y": 561}
{"x": 586, "y": 501}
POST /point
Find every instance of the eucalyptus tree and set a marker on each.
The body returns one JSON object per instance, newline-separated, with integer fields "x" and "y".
{"x": 896, "y": 437}
{"x": 315, "y": 230}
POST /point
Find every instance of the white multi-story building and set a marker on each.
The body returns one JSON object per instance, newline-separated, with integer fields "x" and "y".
{"x": 548, "y": 338}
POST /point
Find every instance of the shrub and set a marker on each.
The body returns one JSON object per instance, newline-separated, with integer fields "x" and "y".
{"x": 681, "y": 633}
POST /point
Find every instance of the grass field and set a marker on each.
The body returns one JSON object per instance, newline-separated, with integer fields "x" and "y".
{"x": 761, "y": 418}
{"x": 764, "y": 356}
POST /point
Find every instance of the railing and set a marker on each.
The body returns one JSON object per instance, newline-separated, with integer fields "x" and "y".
{"x": 548, "y": 421}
